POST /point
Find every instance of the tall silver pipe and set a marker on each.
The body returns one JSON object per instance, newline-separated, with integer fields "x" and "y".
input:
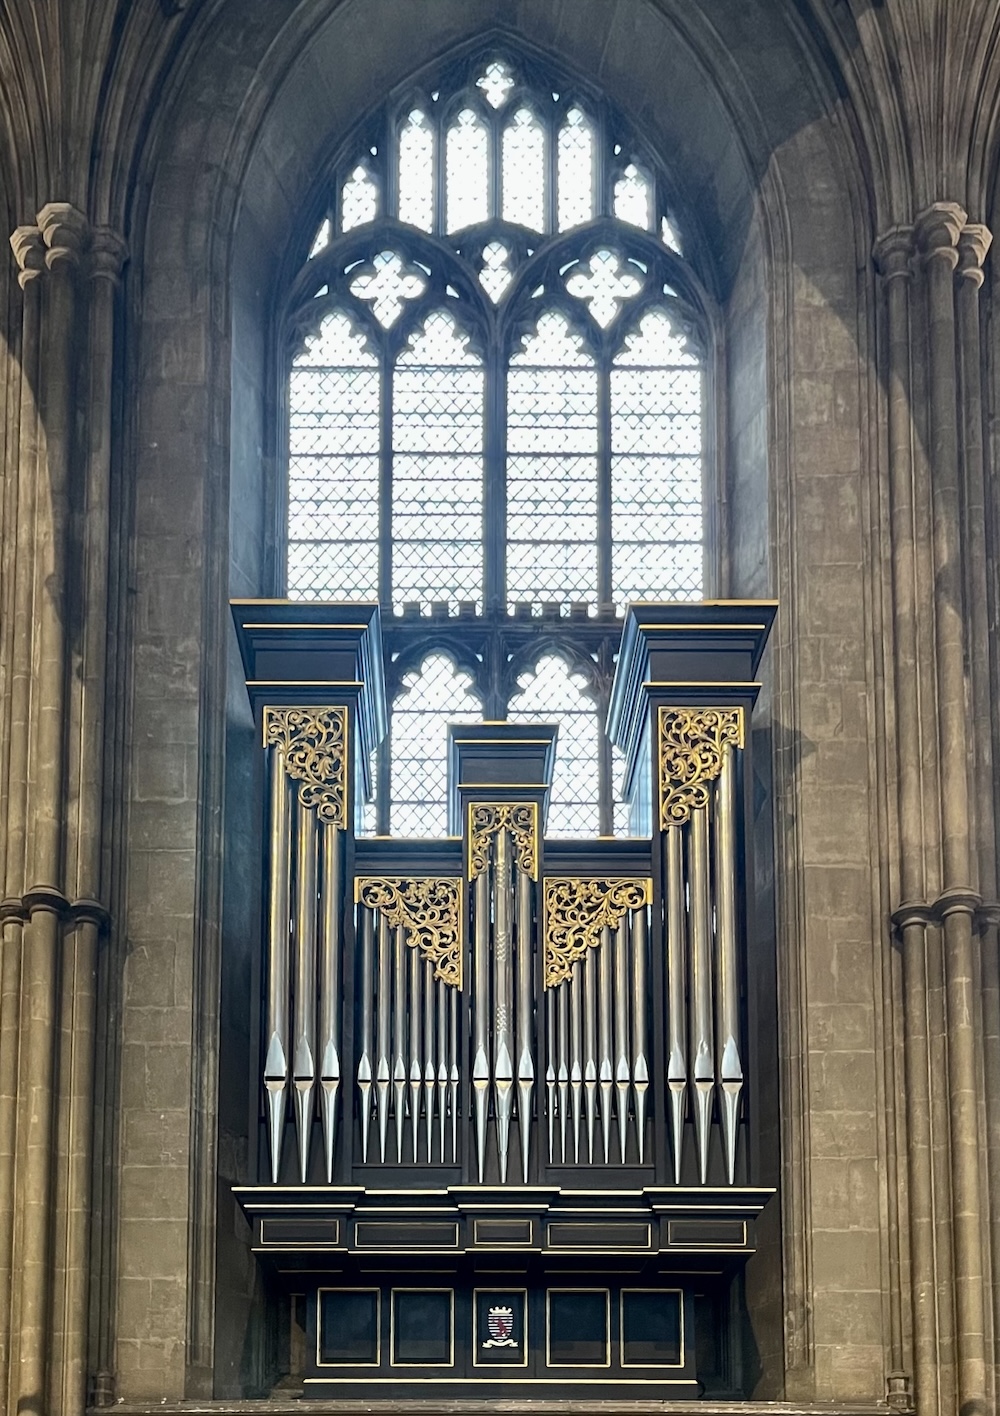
{"x": 623, "y": 1072}
{"x": 415, "y": 1013}
{"x": 399, "y": 1036}
{"x": 675, "y": 907}
{"x": 729, "y": 1065}
{"x": 365, "y": 1064}
{"x": 278, "y": 944}
{"x": 525, "y": 995}
{"x": 640, "y": 1062}
{"x": 429, "y": 1056}
{"x": 503, "y": 997}
{"x": 481, "y": 995}
{"x": 562, "y": 1066}
{"x": 441, "y": 991}
{"x": 453, "y": 1074}
{"x": 550, "y": 1069}
{"x": 702, "y": 1061}
{"x": 383, "y": 1072}
{"x": 330, "y": 987}
{"x": 605, "y": 1068}
{"x": 304, "y": 1059}
{"x": 590, "y": 1046}
{"x": 576, "y": 1053}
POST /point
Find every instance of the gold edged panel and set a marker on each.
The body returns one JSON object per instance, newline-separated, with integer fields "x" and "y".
{"x": 378, "y": 1328}
{"x": 575, "y": 1366}
{"x": 392, "y": 1329}
{"x": 498, "y": 1366}
{"x": 657, "y": 1366}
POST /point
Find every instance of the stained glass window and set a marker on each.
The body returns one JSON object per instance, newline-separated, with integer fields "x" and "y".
{"x": 495, "y": 413}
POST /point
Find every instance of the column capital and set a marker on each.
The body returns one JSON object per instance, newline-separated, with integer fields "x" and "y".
{"x": 937, "y": 231}
{"x": 66, "y": 233}
{"x": 893, "y": 251}
{"x": 29, "y": 252}
{"x": 108, "y": 254}
{"x": 973, "y": 244}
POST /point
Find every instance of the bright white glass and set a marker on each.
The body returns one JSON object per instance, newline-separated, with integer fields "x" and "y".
{"x": 467, "y": 171}
{"x": 575, "y": 177}
{"x": 358, "y": 199}
{"x": 333, "y": 439}
{"x": 387, "y": 285}
{"x": 554, "y": 694}
{"x": 552, "y": 466}
{"x": 322, "y": 238}
{"x": 604, "y": 282}
{"x": 437, "y": 467}
{"x": 416, "y": 171}
{"x": 633, "y": 199}
{"x": 495, "y": 275}
{"x": 496, "y": 83}
{"x": 523, "y": 154}
{"x": 433, "y": 696}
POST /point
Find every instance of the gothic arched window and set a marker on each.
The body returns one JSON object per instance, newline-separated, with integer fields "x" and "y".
{"x": 499, "y": 364}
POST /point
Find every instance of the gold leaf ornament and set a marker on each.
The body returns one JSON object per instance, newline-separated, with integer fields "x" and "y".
{"x": 692, "y": 742}
{"x": 428, "y": 909}
{"x": 519, "y": 818}
{"x": 313, "y": 745}
{"x": 576, "y": 914}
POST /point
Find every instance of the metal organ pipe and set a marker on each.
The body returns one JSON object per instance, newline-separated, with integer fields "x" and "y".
{"x": 503, "y": 998}
{"x": 525, "y": 980}
{"x": 365, "y": 1065}
{"x": 399, "y": 1035}
{"x": 590, "y": 1046}
{"x": 382, "y": 1071}
{"x": 702, "y": 1059}
{"x": 729, "y": 1065}
{"x": 329, "y": 990}
{"x": 640, "y": 1064}
{"x": 676, "y": 992}
{"x": 304, "y": 1058}
{"x": 429, "y": 987}
{"x": 481, "y": 983}
{"x": 415, "y": 1014}
{"x": 278, "y": 944}
{"x": 605, "y": 1069}
{"x": 623, "y": 1075}
{"x": 576, "y": 1053}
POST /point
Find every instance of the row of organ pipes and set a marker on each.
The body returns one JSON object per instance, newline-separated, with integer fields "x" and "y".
{"x": 594, "y": 1024}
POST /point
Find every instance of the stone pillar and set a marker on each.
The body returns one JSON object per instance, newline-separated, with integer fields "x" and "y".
{"x": 52, "y": 911}
{"x": 946, "y": 831}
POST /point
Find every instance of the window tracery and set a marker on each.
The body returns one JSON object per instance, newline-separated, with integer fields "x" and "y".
{"x": 496, "y": 392}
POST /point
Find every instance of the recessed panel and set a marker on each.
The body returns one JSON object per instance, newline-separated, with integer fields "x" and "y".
{"x": 423, "y": 1327}
{"x": 500, "y": 1327}
{"x": 578, "y": 1323}
{"x": 348, "y": 1327}
{"x": 652, "y": 1330}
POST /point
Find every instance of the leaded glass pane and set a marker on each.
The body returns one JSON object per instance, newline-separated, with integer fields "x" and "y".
{"x": 495, "y": 84}
{"x": 620, "y": 825}
{"x": 524, "y": 171}
{"x": 552, "y": 466}
{"x": 633, "y": 199}
{"x": 433, "y": 696}
{"x": 322, "y": 238}
{"x": 656, "y": 466}
{"x": 416, "y": 171}
{"x": 495, "y": 275}
{"x": 387, "y": 283}
{"x": 358, "y": 199}
{"x": 575, "y": 162}
{"x": 669, "y": 236}
{"x": 553, "y": 693}
{"x": 467, "y": 171}
{"x": 333, "y": 462}
{"x": 437, "y": 467}
{"x": 604, "y": 282}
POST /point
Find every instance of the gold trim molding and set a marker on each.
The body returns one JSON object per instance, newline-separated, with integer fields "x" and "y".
{"x": 576, "y": 913}
{"x": 313, "y": 747}
{"x": 428, "y": 909}
{"x": 519, "y": 818}
{"x": 692, "y": 741}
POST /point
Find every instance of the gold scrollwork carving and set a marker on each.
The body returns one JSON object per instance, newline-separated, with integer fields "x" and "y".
{"x": 313, "y": 745}
{"x": 691, "y": 746}
{"x": 428, "y": 909}
{"x": 576, "y": 913}
{"x": 519, "y": 818}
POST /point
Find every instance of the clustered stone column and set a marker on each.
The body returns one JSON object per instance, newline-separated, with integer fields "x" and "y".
{"x": 945, "y": 916}
{"x": 55, "y": 564}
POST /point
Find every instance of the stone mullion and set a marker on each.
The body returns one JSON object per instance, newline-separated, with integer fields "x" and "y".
{"x": 940, "y": 228}
{"x": 911, "y": 917}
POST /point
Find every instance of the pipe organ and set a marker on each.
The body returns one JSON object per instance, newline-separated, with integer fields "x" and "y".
{"x": 507, "y": 1124}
